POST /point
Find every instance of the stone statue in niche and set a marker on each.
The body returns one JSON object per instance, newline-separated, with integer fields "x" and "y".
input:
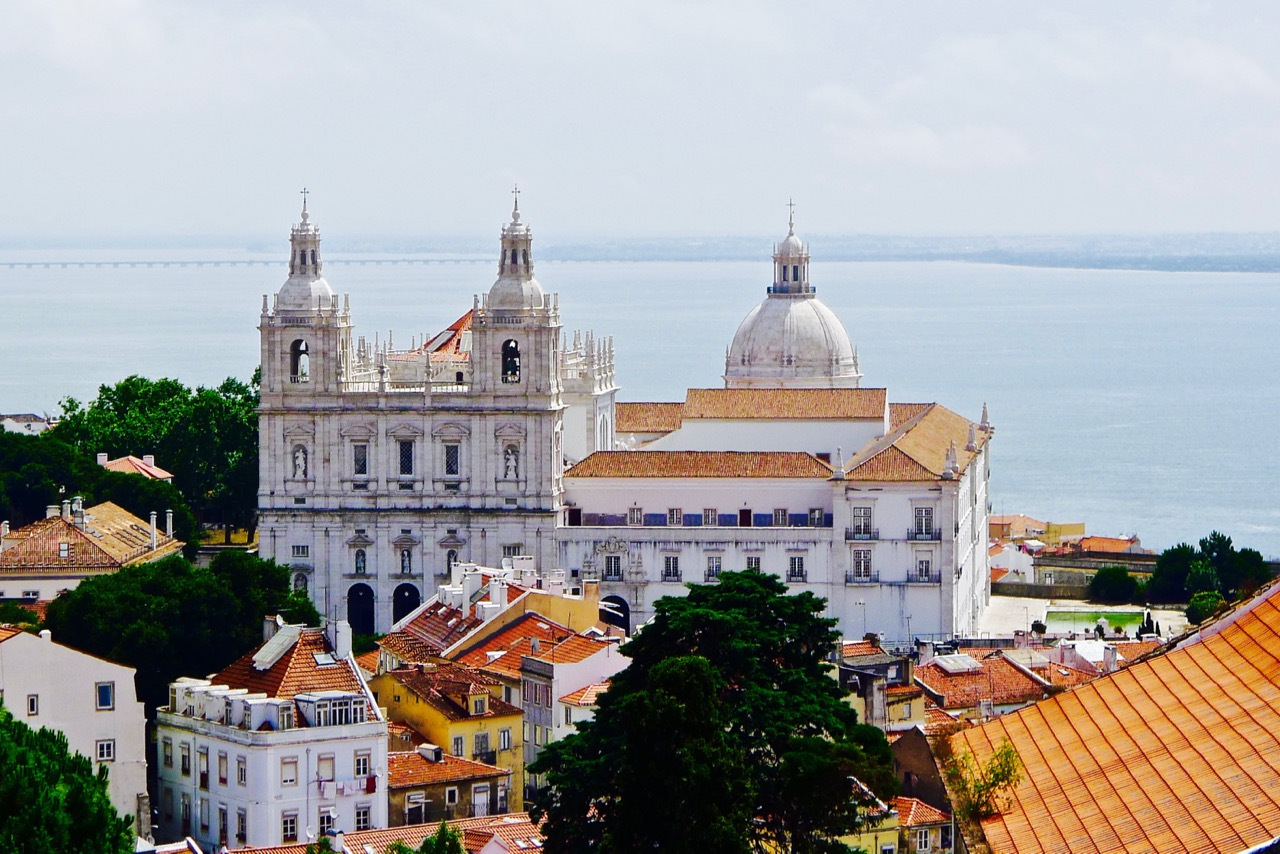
{"x": 299, "y": 462}
{"x": 406, "y": 562}
{"x": 511, "y": 462}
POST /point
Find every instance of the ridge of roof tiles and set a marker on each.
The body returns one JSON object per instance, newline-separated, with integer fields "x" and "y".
{"x": 1177, "y": 752}
{"x": 801, "y": 404}
{"x": 586, "y": 696}
{"x": 710, "y": 464}
{"x": 647, "y": 417}
{"x": 999, "y": 680}
{"x": 411, "y": 768}
{"x": 916, "y": 450}
{"x": 295, "y": 672}
{"x": 913, "y": 812}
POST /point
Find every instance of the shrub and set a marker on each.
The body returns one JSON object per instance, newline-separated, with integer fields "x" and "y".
{"x": 1203, "y": 606}
{"x": 1113, "y": 585}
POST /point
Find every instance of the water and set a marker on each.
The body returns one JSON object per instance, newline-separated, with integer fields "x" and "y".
{"x": 1137, "y": 402}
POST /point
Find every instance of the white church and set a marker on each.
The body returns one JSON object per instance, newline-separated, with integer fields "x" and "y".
{"x": 501, "y": 437}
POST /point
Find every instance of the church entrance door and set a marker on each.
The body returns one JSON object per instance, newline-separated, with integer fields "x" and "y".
{"x": 404, "y": 600}
{"x": 360, "y": 609}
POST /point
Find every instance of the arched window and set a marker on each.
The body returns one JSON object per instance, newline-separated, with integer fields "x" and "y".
{"x": 299, "y": 362}
{"x": 510, "y": 361}
{"x": 361, "y": 562}
{"x": 458, "y": 378}
{"x": 313, "y": 257}
{"x": 795, "y": 272}
{"x": 514, "y": 255}
{"x": 784, "y": 272}
{"x": 524, "y": 255}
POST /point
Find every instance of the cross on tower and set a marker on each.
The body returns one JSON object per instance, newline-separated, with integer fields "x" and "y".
{"x": 304, "y": 197}
{"x": 791, "y": 207}
{"x": 515, "y": 194}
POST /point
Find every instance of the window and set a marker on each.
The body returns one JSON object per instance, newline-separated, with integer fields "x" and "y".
{"x": 510, "y": 362}
{"x": 459, "y": 745}
{"x": 186, "y": 813}
{"x": 363, "y": 817}
{"x": 906, "y": 710}
{"x": 289, "y": 771}
{"x": 406, "y": 457}
{"x": 862, "y": 564}
{"x": 481, "y": 743}
{"x": 861, "y": 523}
{"x": 326, "y": 821}
{"x": 816, "y": 516}
{"x": 106, "y": 750}
{"x": 709, "y": 516}
{"x": 289, "y": 827}
{"x": 945, "y": 833}
{"x": 568, "y": 715}
{"x": 504, "y": 739}
{"x": 361, "y": 764}
{"x": 537, "y": 734}
{"x": 924, "y": 569}
{"x": 204, "y": 813}
{"x": 924, "y": 522}
{"x": 242, "y": 825}
{"x": 922, "y": 839}
{"x": 33, "y": 704}
{"x": 324, "y": 767}
{"x": 635, "y": 515}
{"x": 513, "y": 550}
{"x": 613, "y": 567}
{"x": 451, "y": 796}
{"x": 286, "y": 717}
{"x": 301, "y": 551}
{"x": 166, "y": 752}
{"x": 222, "y": 769}
{"x": 713, "y": 567}
{"x": 452, "y": 459}
{"x": 184, "y": 758}
{"x": 795, "y": 568}
{"x": 675, "y": 516}
{"x": 64, "y": 550}
{"x": 671, "y": 568}
{"x": 360, "y": 460}
{"x": 753, "y": 562}
{"x": 478, "y": 705}
{"x": 242, "y": 771}
{"x": 780, "y": 517}
{"x": 202, "y": 766}
{"x": 222, "y": 823}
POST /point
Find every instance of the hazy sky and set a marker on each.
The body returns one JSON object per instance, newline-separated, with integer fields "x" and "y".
{"x": 141, "y": 117}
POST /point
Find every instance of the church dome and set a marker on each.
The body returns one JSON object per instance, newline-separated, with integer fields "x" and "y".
{"x": 305, "y": 289}
{"x": 791, "y": 339}
{"x": 302, "y": 293}
{"x": 511, "y": 292}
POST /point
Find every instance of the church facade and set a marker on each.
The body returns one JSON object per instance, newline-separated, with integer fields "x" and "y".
{"x": 501, "y": 437}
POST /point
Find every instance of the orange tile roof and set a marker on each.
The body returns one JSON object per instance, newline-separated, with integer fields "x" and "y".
{"x": 898, "y": 693}
{"x": 133, "y": 465}
{"x": 997, "y": 574}
{"x": 647, "y": 417}
{"x": 408, "y": 647}
{"x": 1112, "y": 545}
{"x": 441, "y": 684}
{"x": 805, "y": 404}
{"x": 7, "y": 631}
{"x": 441, "y": 626}
{"x": 500, "y": 653}
{"x": 511, "y": 829}
{"x": 413, "y": 769}
{"x": 571, "y": 650}
{"x": 999, "y": 681}
{"x": 1179, "y": 752}
{"x": 1132, "y": 650}
{"x": 112, "y": 538}
{"x": 917, "y": 449}
{"x": 368, "y": 661}
{"x": 901, "y": 413}
{"x": 913, "y": 812}
{"x": 935, "y": 719}
{"x": 862, "y": 647}
{"x": 585, "y": 696}
{"x": 295, "y": 672}
{"x": 761, "y": 464}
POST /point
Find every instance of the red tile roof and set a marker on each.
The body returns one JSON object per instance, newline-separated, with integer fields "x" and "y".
{"x": 901, "y": 413}
{"x": 916, "y": 450}
{"x": 1130, "y": 651}
{"x": 862, "y": 647}
{"x": 447, "y": 686}
{"x": 112, "y": 537}
{"x": 748, "y": 464}
{"x": 1179, "y": 752}
{"x": 586, "y": 696}
{"x": 413, "y": 769}
{"x": 500, "y": 653}
{"x": 295, "y": 672}
{"x": 805, "y": 404}
{"x": 441, "y": 626}
{"x": 510, "y": 829}
{"x": 997, "y": 574}
{"x": 647, "y": 417}
{"x": 408, "y": 647}
{"x": 997, "y": 680}
{"x": 133, "y": 465}
{"x": 913, "y": 812}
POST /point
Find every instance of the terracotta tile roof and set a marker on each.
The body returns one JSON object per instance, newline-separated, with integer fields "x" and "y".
{"x": 850, "y": 649}
{"x": 408, "y": 647}
{"x": 112, "y": 538}
{"x": 1111, "y": 545}
{"x": 413, "y": 769}
{"x": 1064, "y": 675}
{"x": 1132, "y": 650}
{"x": 441, "y": 626}
{"x": 935, "y": 719}
{"x": 133, "y": 465}
{"x": 901, "y": 413}
{"x": 500, "y": 653}
{"x": 586, "y": 696}
{"x": 898, "y": 693}
{"x": 997, "y": 574}
{"x": 806, "y": 404}
{"x": 295, "y": 672}
{"x": 571, "y": 650}
{"x": 1179, "y": 752}
{"x": 997, "y": 680}
{"x": 917, "y": 449}
{"x": 913, "y": 812}
{"x": 448, "y": 345}
{"x": 647, "y": 417}
{"x": 752, "y": 464}
{"x": 7, "y": 631}
{"x": 442, "y": 685}
{"x": 511, "y": 829}
{"x": 368, "y": 661}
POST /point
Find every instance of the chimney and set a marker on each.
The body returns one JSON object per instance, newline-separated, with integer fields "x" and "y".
{"x": 153, "y": 529}
{"x": 46, "y": 635}
{"x": 4, "y": 528}
{"x": 339, "y": 844}
{"x": 340, "y": 637}
{"x": 149, "y": 459}
{"x": 77, "y": 503}
{"x": 270, "y": 625}
{"x": 102, "y": 459}
{"x": 66, "y": 510}
{"x": 168, "y": 524}
{"x": 78, "y": 514}
{"x": 1109, "y": 655}
{"x": 471, "y": 582}
{"x": 51, "y": 511}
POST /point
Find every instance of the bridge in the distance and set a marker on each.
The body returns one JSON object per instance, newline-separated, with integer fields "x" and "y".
{"x": 231, "y": 262}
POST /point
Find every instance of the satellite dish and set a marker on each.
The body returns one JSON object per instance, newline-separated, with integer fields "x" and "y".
{"x": 311, "y": 832}
{"x": 333, "y": 812}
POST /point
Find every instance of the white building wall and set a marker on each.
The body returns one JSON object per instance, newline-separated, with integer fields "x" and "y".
{"x": 578, "y": 675}
{"x": 64, "y": 682}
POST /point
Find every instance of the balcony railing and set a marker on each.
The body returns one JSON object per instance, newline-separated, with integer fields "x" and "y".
{"x": 711, "y": 575}
{"x": 612, "y": 575}
{"x": 852, "y": 534}
{"x": 797, "y": 577}
{"x": 862, "y": 578}
{"x": 670, "y": 576}
{"x": 916, "y": 534}
{"x": 925, "y": 578}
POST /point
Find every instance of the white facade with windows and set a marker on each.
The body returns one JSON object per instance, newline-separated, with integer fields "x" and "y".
{"x": 239, "y": 763}
{"x": 91, "y": 701}
{"x": 381, "y": 467}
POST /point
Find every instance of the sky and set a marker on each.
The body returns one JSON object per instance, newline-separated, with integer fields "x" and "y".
{"x": 138, "y": 118}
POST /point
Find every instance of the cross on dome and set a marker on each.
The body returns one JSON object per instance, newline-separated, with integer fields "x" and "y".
{"x": 791, "y": 218}
{"x": 305, "y": 191}
{"x": 515, "y": 206}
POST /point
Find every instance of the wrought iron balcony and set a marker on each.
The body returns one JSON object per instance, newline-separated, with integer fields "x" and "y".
{"x": 862, "y": 578}
{"x": 852, "y": 534}
{"x": 915, "y": 534}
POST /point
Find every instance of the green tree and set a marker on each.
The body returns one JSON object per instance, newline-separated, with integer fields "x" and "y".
{"x": 1204, "y": 605}
{"x": 445, "y": 840}
{"x": 36, "y": 471}
{"x": 52, "y": 800}
{"x": 169, "y": 618}
{"x": 1112, "y": 585}
{"x": 208, "y": 438}
{"x": 1251, "y": 570}
{"x": 16, "y": 615}
{"x": 983, "y": 789}
{"x": 770, "y": 709}
{"x": 1169, "y": 578}
{"x": 1202, "y": 578}
{"x": 141, "y": 495}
